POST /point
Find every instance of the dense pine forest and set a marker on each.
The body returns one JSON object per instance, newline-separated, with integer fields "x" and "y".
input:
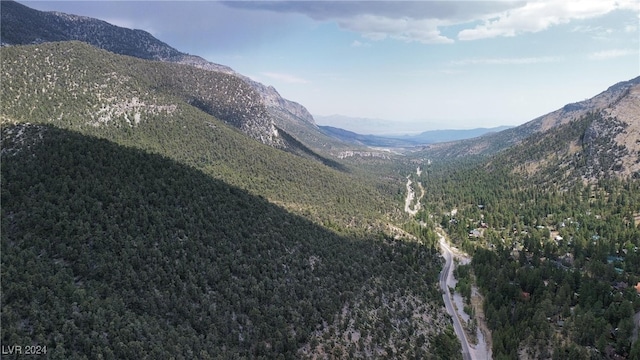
{"x": 124, "y": 254}
{"x": 556, "y": 255}
{"x": 157, "y": 210}
{"x": 140, "y": 220}
{"x": 187, "y": 114}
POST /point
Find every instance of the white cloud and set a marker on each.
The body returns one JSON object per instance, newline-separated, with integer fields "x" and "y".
{"x": 422, "y": 21}
{"x": 611, "y": 54}
{"x": 539, "y": 15}
{"x": 406, "y": 29}
{"x": 409, "y": 21}
{"x": 359, "y": 44}
{"x": 508, "y": 61}
{"x": 286, "y": 78}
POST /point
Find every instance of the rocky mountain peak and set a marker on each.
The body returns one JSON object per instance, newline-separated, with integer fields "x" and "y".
{"x": 269, "y": 95}
{"x": 620, "y": 101}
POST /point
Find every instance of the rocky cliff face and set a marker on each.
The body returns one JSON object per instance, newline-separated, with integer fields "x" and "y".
{"x": 269, "y": 95}
{"x": 573, "y": 111}
{"x": 22, "y": 25}
{"x": 620, "y": 100}
{"x": 602, "y": 143}
{"x": 603, "y": 156}
{"x": 626, "y": 110}
{"x": 611, "y": 142}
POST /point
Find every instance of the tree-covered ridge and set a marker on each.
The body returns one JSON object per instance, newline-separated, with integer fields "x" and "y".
{"x": 22, "y": 25}
{"x": 81, "y": 86}
{"x": 112, "y": 252}
{"x": 555, "y": 237}
{"x": 151, "y": 105}
{"x": 620, "y": 101}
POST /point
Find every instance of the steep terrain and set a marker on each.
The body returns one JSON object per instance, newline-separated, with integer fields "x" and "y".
{"x": 554, "y": 229}
{"x": 175, "y": 110}
{"x": 620, "y": 98}
{"x": 603, "y": 143}
{"x": 287, "y": 115}
{"x": 109, "y": 251}
{"x": 21, "y": 25}
{"x": 69, "y": 69}
{"x": 138, "y": 223}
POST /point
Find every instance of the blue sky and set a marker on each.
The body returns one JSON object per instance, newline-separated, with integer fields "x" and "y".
{"x": 435, "y": 64}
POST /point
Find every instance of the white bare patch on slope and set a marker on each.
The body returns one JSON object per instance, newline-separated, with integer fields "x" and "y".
{"x": 19, "y": 137}
{"x": 411, "y": 196}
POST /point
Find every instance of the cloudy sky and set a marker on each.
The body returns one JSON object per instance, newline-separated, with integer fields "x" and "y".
{"x": 440, "y": 64}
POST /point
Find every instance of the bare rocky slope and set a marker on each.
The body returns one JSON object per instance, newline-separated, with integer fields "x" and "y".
{"x": 620, "y": 100}
{"x": 599, "y": 140}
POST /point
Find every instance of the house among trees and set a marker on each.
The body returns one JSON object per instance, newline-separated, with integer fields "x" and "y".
{"x": 475, "y": 233}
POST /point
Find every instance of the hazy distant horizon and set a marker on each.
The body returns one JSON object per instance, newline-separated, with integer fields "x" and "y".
{"x": 366, "y": 126}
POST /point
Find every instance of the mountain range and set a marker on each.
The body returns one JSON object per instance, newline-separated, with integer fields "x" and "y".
{"x": 158, "y": 205}
{"x": 22, "y": 25}
{"x": 591, "y": 140}
{"x": 619, "y": 100}
{"x": 150, "y": 210}
{"x": 407, "y": 141}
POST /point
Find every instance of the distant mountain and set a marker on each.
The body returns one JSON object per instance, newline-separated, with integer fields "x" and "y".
{"x": 366, "y": 140}
{"x": 367, "y": 126}
{"x": 405, "y": 141}
{"x": 437, "y": 136}
{"x": 22, "y": 25}
{"x": 618, "y": 100}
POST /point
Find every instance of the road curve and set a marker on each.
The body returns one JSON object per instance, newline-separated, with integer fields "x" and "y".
{"x": 446, "y": 295}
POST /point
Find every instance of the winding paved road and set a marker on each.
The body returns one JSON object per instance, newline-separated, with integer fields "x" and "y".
{"x": 444, "y": 275}
{"x": 457, "y": 325}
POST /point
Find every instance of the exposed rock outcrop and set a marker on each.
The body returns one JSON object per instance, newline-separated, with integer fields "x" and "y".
{"x": 22, "y": 25}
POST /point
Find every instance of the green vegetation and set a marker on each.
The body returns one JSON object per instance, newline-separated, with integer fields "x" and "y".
{"x": 142, "y": 219}
{"x": 556, "y": 256}
{"x": 113, "y": 252}
{"x": 175, "y": 111}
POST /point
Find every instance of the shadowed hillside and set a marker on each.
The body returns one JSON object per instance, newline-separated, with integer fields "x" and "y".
{"x": 175, "y": 110}
{"x": 22, "y": 25}
{"x": 108, "y": 251}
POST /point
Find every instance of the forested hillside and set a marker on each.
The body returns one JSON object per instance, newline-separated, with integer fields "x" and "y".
{"x": 22, "y": 25}
{"x": 112, "y": 252}
{"x": 175, "y": 110}
{"x": 554, "y": 228}
{"x": 619, "y": 100}
{"x": 156, "y": 205}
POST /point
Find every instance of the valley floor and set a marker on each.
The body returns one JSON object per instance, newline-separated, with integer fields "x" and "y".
{"x": 454, "y": 304}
